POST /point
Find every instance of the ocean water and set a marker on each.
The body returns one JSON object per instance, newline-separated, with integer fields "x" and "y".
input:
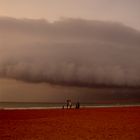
{"x": 29, "y": 105}
{"x": 38, "y": 105}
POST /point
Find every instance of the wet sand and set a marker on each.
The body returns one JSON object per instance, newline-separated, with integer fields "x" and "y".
{"x": 117, "y": 123}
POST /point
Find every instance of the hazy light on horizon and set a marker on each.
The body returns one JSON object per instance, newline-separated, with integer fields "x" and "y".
{"x": 126, "y": 11}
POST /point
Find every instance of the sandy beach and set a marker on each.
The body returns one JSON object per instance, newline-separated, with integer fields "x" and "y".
{"x": 118, "y": 123}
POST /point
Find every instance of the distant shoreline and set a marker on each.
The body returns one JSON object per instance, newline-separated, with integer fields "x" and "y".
{"x": 58, "y": 107}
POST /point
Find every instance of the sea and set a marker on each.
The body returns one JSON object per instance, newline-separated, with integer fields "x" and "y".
{"x": 44, "y": 105}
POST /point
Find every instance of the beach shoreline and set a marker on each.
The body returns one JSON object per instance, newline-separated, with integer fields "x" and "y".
{"x": 73, "y": 107}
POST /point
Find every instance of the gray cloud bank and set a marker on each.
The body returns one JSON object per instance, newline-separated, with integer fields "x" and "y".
{"x": 70, "y": 52}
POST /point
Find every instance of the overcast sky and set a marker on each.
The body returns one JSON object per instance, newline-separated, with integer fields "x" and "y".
{"x": 125, "y": 11}
{"x": 52, "y": 49}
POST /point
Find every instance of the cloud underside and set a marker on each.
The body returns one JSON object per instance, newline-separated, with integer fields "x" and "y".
{"x": 71, "y": 52}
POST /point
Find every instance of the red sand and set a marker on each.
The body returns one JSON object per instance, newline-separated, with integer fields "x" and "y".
{"x": 121, "y": 123}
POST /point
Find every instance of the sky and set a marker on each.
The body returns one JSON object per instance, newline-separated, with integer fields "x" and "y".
{"x": 125, "y": 11}
{"x": 51, "y": 50}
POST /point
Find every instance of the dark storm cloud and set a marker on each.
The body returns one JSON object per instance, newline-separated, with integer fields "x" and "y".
{"x": 70, "y": 52}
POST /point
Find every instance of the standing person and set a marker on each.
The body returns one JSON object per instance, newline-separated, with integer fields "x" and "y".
{"x": 70, "y": 104}
{"x": 77, "y": 105}
{"x": 67, "y": 104}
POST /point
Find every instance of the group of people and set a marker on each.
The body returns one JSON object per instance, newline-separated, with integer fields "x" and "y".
{"x": 69, "y": 104}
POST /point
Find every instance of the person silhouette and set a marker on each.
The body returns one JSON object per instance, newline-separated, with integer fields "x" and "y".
{"x": 77, "y": 105}
{"x": 67, "y": 104}
{"x": 70, "y": 104}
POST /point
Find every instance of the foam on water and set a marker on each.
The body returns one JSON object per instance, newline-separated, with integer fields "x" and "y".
{"x": 60, "y": 107}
